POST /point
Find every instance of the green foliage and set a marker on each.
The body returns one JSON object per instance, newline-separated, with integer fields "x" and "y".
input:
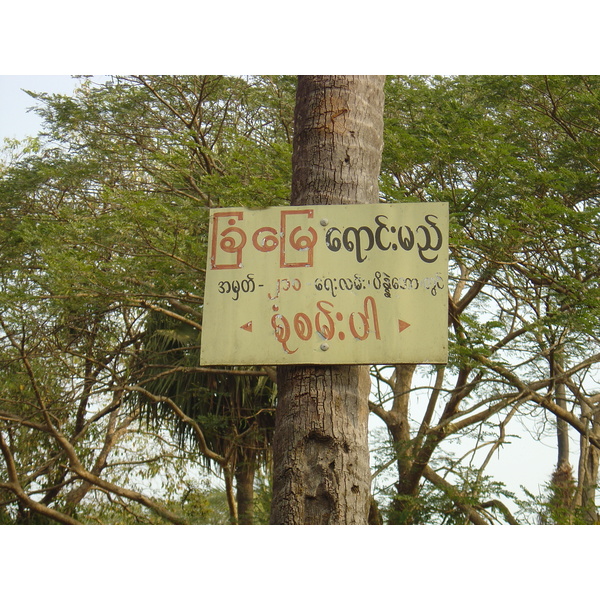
{"x": 555, "y": 505}
{"x": 436, "y": 506}
{"x": 516, "y": 159}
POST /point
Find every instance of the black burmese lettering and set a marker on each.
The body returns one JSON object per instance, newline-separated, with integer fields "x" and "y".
{"x": 428, "y": 245}
{"x": 356, "y": 243}
{"x": 427, "y": 238}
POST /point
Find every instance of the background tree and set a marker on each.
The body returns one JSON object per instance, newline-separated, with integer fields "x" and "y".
{"x": 523, "y": 189}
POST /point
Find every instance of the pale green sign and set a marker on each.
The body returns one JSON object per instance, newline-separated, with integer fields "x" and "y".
{"x": 360, "y": 284}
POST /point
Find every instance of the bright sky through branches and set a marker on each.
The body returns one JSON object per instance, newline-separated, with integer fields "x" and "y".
{"x": 16, "y": 121}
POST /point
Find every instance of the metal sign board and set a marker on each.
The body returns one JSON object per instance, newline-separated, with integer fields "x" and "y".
{"x": 359, "y": 284}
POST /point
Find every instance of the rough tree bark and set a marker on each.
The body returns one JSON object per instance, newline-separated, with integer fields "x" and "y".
{"x": 589, "y": 461}
{"x": 320, "y": 449}
{"x": 557, "y": 367}
{"x": 562, "y": 501}
{"x": 244, "y": 479}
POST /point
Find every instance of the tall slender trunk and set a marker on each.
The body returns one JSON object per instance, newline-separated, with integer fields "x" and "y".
{"x": 228, "y": 476}
{"x": 562, "y": 500}
{"x": 244, "y": 485}
{"x": 399, "y": 429}
{"x": 589, "y": 459}
{"x": 321, "y": 469}
{"x": 562, "y": 427}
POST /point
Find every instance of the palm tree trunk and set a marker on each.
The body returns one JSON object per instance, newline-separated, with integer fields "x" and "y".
{"x": 320, "y": 448}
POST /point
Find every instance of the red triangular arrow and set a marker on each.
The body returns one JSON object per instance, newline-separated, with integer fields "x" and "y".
{"x": 247, "y": 326}
{"x": 402, "y": 325}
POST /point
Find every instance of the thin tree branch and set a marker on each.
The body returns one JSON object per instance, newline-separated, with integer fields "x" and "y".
{"x": 15, "y": 487}
{"x": 456, "y": 496}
